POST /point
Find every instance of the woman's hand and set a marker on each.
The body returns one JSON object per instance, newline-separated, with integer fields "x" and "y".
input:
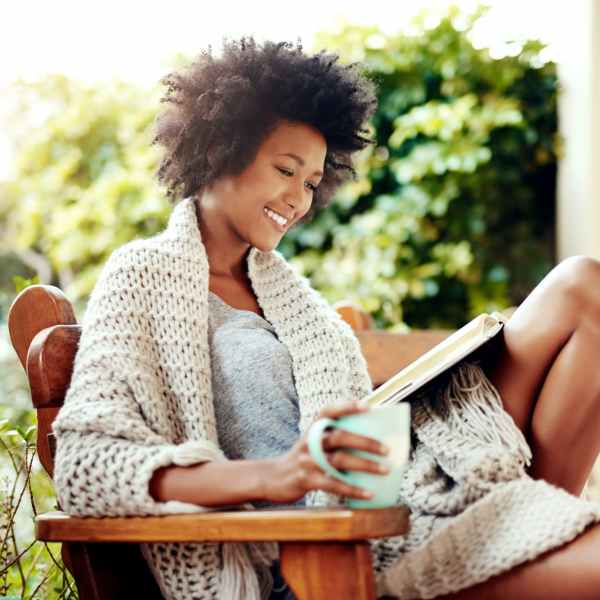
{"x": 295, "y": 473}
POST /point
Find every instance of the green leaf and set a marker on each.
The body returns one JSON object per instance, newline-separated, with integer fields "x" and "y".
{"x": 21, "y": 283}
{"x": 464, "y": 156}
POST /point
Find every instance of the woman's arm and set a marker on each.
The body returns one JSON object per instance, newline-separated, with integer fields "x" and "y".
{"x": 282, "y": 479}
{"x": 106, "y": 451}
{"x": 211, "y": 483}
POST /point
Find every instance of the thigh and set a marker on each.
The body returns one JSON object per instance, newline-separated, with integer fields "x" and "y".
{"x": 570, "y": 572}
{"x": 535, "y": 334}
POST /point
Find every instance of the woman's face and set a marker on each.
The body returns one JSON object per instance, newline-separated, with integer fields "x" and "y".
{"x": 281, "y": 179}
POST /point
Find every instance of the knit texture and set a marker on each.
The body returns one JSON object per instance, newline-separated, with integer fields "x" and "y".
{"x": 475, "y": 512}
{"x": 141, "y": 398}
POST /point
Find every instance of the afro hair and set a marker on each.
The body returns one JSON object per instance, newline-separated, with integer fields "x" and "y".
{"x": 220, "y": 109}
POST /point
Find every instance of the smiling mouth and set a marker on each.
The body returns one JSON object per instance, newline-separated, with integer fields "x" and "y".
{"x": 278, "y": 224}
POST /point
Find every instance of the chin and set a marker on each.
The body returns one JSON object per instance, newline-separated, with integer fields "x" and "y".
{"x": 265, "y": 246}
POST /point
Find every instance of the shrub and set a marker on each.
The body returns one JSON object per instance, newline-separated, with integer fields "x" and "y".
{"x": 454, "y": 213}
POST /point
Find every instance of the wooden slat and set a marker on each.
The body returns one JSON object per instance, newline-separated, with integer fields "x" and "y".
{"x": 35, "y": 308}
{"x": 358, "y": 319}
{"x": 46, "y": 441}
{"x": 386, "y": 353}
{"x": 259, "y": 525}
{"x": 328, "y": 570}
{"x": 50, "y": 364}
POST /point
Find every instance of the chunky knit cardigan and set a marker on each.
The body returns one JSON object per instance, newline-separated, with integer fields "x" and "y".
{"x": 140, "y": 398}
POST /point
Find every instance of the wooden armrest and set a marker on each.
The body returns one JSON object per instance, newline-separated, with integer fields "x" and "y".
{"x": 302, "y": 524}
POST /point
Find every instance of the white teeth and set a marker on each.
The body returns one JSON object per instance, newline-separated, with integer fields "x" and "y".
{"x": 276, "y": 217}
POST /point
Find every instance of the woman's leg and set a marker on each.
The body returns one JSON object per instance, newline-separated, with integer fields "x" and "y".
{"x": 548, "y": 373}
{"x": 571, "y": 572}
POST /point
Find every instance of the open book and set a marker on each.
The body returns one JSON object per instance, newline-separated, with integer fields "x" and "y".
{"x": 458, "y": 346}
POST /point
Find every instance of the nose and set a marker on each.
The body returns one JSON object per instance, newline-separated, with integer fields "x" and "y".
{"x": 295, "y": 196}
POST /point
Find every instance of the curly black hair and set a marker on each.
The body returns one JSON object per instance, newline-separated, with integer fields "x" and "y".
{"x": 220, "y": 109}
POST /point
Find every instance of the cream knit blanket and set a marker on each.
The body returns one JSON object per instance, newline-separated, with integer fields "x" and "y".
{"x": 140, "y": 398}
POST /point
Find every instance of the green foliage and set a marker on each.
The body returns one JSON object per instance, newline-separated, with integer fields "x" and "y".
{"x": 452, "y": 214}
{"x": 21, "y": 282}
{"x": 454, "y": 211}
{"x": 84, "y": 182}
{"x": 28, "y": 569}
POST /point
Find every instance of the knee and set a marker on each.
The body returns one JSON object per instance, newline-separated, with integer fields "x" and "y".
{"x": 579, "y": 281}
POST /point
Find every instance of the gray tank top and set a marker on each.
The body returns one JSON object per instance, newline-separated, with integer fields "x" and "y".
{"x": 256, "y": 404}
{"x": 255, "y": 399}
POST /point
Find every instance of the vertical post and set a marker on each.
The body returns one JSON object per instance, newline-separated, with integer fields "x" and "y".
{"x": 578, "y": 210}
{"x": 326, "y": 570}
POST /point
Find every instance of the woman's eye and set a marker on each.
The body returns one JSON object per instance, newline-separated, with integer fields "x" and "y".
{"x": 311, "y": 186}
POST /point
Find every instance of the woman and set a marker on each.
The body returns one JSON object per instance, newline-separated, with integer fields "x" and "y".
{"x": 204, "y": 359}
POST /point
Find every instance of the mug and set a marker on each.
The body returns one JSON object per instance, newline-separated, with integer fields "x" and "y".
{"x": 389, "y": 425}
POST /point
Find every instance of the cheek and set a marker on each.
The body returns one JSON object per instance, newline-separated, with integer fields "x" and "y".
{"x": 305, "y": 210}
{"x": 253, "y": 192}
{"x": 255, "y": 179}
{"x": 310, "y": 201}
{"x": 265, "y": 186}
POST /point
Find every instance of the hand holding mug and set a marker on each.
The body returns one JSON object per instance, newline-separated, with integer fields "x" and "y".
{"x": 390, "y": 426}
{"x": 296, "y": 472}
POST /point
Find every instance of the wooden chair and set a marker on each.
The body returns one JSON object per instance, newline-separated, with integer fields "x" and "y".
{"x": 324, "y": 552}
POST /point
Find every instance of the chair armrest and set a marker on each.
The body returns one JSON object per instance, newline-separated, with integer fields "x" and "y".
{"x": 301, "y": 524}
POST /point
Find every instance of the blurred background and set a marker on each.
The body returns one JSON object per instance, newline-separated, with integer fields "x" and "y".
{"x": 482, "y": 178}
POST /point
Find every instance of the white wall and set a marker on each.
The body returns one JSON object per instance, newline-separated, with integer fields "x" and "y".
{"x": 579, "y": 113}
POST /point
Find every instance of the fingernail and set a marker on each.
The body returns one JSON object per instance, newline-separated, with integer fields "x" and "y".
{"x": 384, "y": 449}
{"x": 367, "y": 494}
{"x": 383, "y": 469}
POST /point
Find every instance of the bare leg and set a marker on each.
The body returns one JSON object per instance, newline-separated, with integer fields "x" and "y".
{"x": 548, "y": 375}
{"x": 571, "y": 572}
{"x": 549, "y": 379}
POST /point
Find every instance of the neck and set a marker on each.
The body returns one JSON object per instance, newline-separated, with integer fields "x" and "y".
{"x": 227, "y": 257}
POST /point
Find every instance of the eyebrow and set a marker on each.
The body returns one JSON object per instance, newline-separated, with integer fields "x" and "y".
{"x": 300, "y": 161}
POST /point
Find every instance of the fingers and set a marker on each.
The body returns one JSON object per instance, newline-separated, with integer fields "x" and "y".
{"x": 345, "y": 461}
{"x": 339, "y": 438}
{"x": 313, "y": 477}
{"x": 324, "y": 482}
{"x": 343, "y": 408}
{"x": 333, "y": 441}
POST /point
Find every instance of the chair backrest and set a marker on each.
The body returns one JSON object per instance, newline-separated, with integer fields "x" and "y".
{"x": 45, "y": 336}
{"x": 44, "y": 333}
{"x": 357, "y": 318}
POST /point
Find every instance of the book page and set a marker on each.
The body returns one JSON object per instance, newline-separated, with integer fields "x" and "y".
{"x": 443, "y": 355}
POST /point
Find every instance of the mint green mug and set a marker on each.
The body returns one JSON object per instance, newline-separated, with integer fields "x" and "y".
{"x": 389, "y": 425}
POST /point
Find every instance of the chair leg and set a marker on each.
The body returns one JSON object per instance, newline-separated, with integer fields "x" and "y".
{"x": 80, "y": 565}
{"x": 110, "y": 571}
{"x": 325, "y": 570}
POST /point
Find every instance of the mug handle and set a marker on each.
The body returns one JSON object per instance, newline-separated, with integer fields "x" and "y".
{"x": 315, "y": 447}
